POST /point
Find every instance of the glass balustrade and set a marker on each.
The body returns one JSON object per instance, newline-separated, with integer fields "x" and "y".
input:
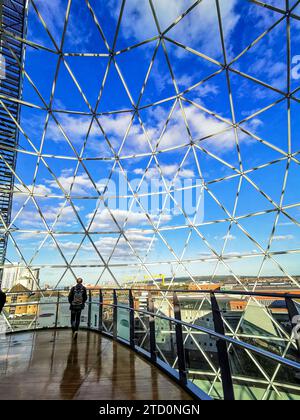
{"x": 222, "y": 344}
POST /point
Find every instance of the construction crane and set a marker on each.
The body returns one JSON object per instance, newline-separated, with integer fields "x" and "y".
{"x": 146, "y": 278}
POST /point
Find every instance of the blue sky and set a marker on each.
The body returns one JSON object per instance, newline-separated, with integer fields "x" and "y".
{"x": 159, "y": 138}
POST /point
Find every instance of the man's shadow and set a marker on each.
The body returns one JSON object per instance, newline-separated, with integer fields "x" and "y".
{"x": 72, "y": 378}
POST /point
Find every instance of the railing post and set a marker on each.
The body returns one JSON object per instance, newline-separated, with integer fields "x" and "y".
{"x": 131, "y": 319}
{"x": 89, "y": 309}
{"x": 57, "y": 309}
{"x": 179, "y": 340}
{"x": 100, "y": 323}
{"x": 293, "y": 314}
{"x": 115, "y": 315}
{"x": 153, "y": 349}
{"x": 223, "y": 357}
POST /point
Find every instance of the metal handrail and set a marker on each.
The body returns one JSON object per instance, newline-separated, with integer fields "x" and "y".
{"x": 216, "y": 292}
{"x": 198, "y": 328}
{"x": 171, "y": 291}
{"x": 214, "y": 334}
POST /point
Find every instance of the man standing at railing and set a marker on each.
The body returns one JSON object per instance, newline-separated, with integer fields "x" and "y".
{"x": 2, "y": 300}
{"x": 77, "y": 299}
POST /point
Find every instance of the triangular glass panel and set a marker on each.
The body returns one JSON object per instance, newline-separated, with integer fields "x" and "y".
{"x": 249, "y": 97}
{"x": 89, "y": 72}
{"x": 255, "y": 62}
{"x": 136, "y": 76}
{"x": 115, "y": 95}
{"x": 137, "y": 25}
{"x": 47, "y": 22}
{"x": 212, "y": 94}
{"x": 192, "y": 30}
{"x": 38, "y": 82}
{"x": 160, "y": 84}
{"x": 82, "y": 35}
{"x": 66, "y": 81}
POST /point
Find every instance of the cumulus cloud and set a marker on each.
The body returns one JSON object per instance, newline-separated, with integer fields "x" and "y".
{"x": 104, "y": 220}
{"x": 81, "y": 185}
{"x": 139, "y": 23}
{"x": 116, "y": 127}
{"x": 168, "y": 171}
{"x": 53, "y": 12}
{"x": 39, "y": 190}
{"x": 227, "y": 237}
{"x": 282, "y": 238}
{"x": 269, "y": 68}
{"x": 30, "y": 217}
{"x": 25, "y": 236}
{"x": 76, "y": 129}
{"x": 207, "y": 89}
{"x": 201, "y": 124}
{"x": 267, "y": 59}
{"x": 106, "y": 245}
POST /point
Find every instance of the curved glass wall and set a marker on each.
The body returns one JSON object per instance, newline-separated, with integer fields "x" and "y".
{"x": 155, "y": 151}
{"x": 159, "y": 149}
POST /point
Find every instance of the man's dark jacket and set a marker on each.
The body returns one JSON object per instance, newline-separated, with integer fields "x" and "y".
{"x": 2, "y": 300}
{"x": 71, "y": 297}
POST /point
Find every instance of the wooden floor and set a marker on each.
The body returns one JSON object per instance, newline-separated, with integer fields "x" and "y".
{"x": 48, "y": 365}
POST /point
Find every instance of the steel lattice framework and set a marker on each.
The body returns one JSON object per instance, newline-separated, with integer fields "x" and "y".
{"x": 120, "y": 231}
{"x": 118, "y": 156}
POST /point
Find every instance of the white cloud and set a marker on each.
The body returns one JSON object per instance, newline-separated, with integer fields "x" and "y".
{"x": 168, "y": 171}
{"x": 281, "y": 238}
{"x": 139, "y": 23}
{"x": 201, "y": 126}
{"x": 53, "y": 12}
{"x": 227, "y": 237}
{"x": 20, "y": 191}
{"x": 82, "y": 185}
{"x": 255, "y": 123}
{"x": 25, "y": 236}
{"x": 104, "y": 220}
{"x": 263, "y": 19}
{"x": 31, "y": 217}
{"x": 139, "y": 242}
{"x": 268, "y": 68}
{"x": 207, "y": 89}
{"x": 115, "y": 127}
{"x": 75, "y": 128}
{"x": 200, "y": 123}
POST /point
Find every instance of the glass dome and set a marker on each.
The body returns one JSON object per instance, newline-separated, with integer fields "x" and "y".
{"x": 159, "y": 143}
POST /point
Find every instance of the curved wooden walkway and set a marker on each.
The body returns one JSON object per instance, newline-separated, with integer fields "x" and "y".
{"x": 48, "y": 365}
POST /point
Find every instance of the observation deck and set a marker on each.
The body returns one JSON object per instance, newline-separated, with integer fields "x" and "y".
{"x": 203, "y": 345}
{"x": 48, "y": 365}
